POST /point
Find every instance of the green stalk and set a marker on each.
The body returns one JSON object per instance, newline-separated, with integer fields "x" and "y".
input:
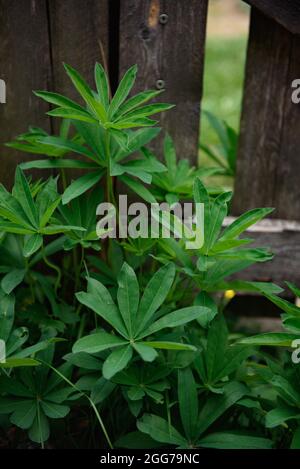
{"x": 54, "y": 267}
{"x": 98, "y": 416}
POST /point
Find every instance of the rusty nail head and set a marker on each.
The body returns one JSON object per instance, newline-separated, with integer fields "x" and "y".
{"x": 163, "y": 18}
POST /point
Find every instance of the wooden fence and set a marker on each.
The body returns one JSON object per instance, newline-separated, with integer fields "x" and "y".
{"x": 166, "y": 38}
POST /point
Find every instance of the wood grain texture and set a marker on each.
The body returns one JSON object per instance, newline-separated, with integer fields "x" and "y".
{"x": 25, "y": 66}
{"x": 284, "y": 266}
{"x": 286, "y": 12}
{"x": 77, "y": 30}
{"x": 268, "y": 157}
{"x": 172, "y": 52}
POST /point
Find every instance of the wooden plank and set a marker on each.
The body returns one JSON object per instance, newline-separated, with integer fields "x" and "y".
{"x": 281, "y": 237}
{"x": 284, "y": 267}
{"x": 286, "y": 13}
{"x": 25, "y": 66}
{"x": 268, "y": 162}
{"x": 168, "y": 48}
{"x": 78, "y": 31}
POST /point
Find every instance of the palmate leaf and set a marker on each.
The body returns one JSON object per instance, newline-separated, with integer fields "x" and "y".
{"x": 127, "y": 318}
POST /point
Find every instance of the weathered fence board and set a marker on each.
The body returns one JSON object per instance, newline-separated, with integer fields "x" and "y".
{"x": 24, "y": 65}
{"x": 285, "y": 12}
{"x": 268, "y": 165}
{"x": 166, "y": 39}
{"x": 79, "y": 37}
{"x": 36, "y": 37}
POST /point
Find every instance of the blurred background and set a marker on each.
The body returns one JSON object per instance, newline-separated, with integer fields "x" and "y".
{"x": 225, "y": 54}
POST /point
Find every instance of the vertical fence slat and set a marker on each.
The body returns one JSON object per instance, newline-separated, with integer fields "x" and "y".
{"x": 25, "y": 66}
{"x": 168, "y": 48}
{"x": 268, "y": 158}
{"x": 77, "y": 30}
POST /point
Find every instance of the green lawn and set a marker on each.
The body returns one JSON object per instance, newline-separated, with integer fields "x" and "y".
{"x": 223, "y": 81}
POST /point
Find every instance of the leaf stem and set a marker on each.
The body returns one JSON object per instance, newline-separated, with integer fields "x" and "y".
{"x": 54, "y": 267}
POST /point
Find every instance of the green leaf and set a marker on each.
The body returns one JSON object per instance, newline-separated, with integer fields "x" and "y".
{"x": 55, "y": 411}
{"x": 123, "y": 90}
{"x": 11, "y": 280}
{"x": 145, "y": 350}
{"x": 137, "y": 100}
{"x": 32, "y": 244}
{"x": 244, "y": 221}
{"x": 234, "y": 440}
{"x": 7, "y": 310}
{"x": 100, "y": 301}
{"x": 58, "y": 100}
{"x": 62, "y": 113}
{"x": 286, "y": 390}
{"x": 204, "y": 299}
{"x": 58, "y": 163}
{"x": 217, "y": 404}
{"x": 188, "y": 402}
{"x": 160, "y": 430}
{"x": 278, "y": 339}
{"x": 67, "y": 145}
{"x": 21, "y": 191}
{"x": 155, "y": 294}
{"x": 102, "y": 85}
{"x": 216, "y": 346}
{"x": 39, "y": 432}
{"x": 175, "y": 319}
{"x": 86, "y": 93}
{"x": 281, "y": 414}
{"x": 145, "y": 111}
{"x": 170, "y": 345}
{"x": 97, "y": 342}
{"x": 296, "y": 439}
{"x": 116, "y": 361}
{"x": 80, "y": 186}
{"x": 138, "y": 188}
{"x": 170, "y": 156}
{"x": 24, "y": 415}
{"x": 17, "y": 362}
{"x": 128, "y": 297}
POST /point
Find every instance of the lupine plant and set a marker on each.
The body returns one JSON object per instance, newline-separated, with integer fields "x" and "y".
{"x": 129, "y": 339}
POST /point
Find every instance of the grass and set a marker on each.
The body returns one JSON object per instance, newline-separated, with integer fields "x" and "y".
{"x": 223, "y": 81}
